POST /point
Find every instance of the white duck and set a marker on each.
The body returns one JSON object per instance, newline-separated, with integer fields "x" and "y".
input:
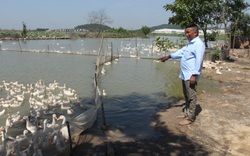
{"x": 15, "y": 117}
{"x": 2, "y": 112}
{"x": 104, "y": 93}
{"x": 74, "y": 97}
{"x": 23, "y": 136}
{"x": 53, "y": 123}
{"x": 70, "y": 111}
{"x": 103, "y": 71}
{"x": 64, "y": 130}
{"x": 29, "y": 126}
{"x": 69, "y": 92}
{"x": 218, "y": 72}
{"x": 61, "y": 87}
{"x": 8, "y": 122}
{"x": 107, "y": 63}
{"x": 16, "y": 104}
{"x": 5, "y": 83}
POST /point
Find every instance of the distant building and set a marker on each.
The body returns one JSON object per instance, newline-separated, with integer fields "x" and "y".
{"x": 42, "y": 29}
{"x": 181, "y": 31}
{"x": 70, "y": 30}
{"x": 220, "y": 31}
{"x": 81, "y": 30}
{"x": 168, "y": 31}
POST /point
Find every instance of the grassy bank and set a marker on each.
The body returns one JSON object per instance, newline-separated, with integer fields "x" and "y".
{"x": 33, "y": 34}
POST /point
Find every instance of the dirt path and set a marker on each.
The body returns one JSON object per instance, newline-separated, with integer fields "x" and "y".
{"x": 222, "y": 126}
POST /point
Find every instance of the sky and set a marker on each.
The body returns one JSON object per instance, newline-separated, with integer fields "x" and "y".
{"x": 67, "y": 14}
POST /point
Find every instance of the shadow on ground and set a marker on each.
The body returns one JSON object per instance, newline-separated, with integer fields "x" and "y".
{"x": 95, "y": 142}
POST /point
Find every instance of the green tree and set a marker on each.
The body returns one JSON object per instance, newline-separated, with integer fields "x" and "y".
{"x": 24, "y": 32}
{"x": 244, "y": 24}
{"x": 145, "y": 30}
{"x": 212, "y": 36}
{"x": 235, "y": 13}
{"x": 201, "y": 12}
{"x": 119, "y": 32}
{"x": 164, "y": 44}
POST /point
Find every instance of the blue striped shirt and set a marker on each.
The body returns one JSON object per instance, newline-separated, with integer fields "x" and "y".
{"x": 191, "y": 57}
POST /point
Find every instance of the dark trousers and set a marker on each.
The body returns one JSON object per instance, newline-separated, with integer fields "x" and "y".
{"x": 189, "y": 91}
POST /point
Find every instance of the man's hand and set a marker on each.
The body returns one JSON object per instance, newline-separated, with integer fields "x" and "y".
{"x": 163, "y": 59}
{"x": 192, "y": 79}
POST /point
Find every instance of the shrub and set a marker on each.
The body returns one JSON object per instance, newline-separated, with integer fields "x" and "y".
{"x": 215, "y": 55}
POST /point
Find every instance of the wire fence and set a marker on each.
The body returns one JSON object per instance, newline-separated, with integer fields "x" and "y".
{"x": 129, "y": 48}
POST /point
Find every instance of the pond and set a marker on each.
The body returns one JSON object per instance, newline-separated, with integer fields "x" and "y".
{"x": 134, "y": 86}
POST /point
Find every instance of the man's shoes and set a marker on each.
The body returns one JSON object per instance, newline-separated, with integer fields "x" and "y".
{"x": 185, "y": 122}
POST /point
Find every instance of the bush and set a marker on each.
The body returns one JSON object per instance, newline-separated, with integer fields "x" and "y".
{"x": 212, "y": 36}
{"x": 215, "y": 55}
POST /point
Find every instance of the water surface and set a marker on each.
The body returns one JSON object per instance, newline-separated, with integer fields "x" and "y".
{"x": 134, "y": 87}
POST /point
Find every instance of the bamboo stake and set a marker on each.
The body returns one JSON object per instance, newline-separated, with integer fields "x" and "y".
{"x": 136, "y": 47}
{"x": 48, "y": 48}
{"x": 111, "y": 51}
{"x": 70, "y": 141}
{"x": 20, "y": 45}
{"x": 100, "y": 48}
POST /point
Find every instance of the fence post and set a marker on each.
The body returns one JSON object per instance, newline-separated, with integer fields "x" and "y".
{"x": 70, "y": 141}
{"x": 19, "y": 45}
{"x": 48, "y": 48}
{"x": 111, "y": 51}
{"x": 136, "y": 47}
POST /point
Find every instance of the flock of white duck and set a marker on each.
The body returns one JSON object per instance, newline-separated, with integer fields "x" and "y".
{"x": 44, "y": 130}
{"x": 144, "y": 50}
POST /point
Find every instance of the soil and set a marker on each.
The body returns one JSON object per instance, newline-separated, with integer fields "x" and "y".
{"x": 222, "y": 125}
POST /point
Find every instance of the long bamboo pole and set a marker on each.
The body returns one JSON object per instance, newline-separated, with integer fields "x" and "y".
{"x": 70, "y": 141}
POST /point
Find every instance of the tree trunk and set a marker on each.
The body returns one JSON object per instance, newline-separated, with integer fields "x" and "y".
{"x": 205, "y": 37}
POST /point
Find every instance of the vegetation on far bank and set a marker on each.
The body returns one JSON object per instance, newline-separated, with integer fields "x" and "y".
{"x": 111, "y": 33}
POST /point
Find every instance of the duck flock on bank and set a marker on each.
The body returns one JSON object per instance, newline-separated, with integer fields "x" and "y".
{"x": 44, "y": 128}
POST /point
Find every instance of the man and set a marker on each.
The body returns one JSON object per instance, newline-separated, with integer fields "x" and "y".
{"x": 191, "y": 61}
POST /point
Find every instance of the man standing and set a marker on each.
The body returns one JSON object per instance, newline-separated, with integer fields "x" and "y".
{"x": 191, "y": 61}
